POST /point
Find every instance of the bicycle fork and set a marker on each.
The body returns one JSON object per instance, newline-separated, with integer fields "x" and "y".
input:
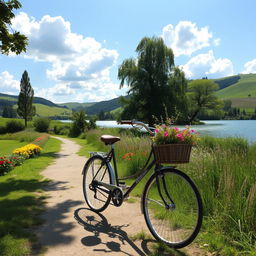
{"x": 168, "y": 206}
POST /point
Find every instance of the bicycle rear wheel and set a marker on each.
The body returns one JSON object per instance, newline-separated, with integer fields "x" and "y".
{"x": 97, "y": 197}
{"x": 178, "y": 224}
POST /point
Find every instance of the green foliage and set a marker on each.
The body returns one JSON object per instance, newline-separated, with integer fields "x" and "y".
{"x": 14, "y": 126}
{"x": 79, "y": 124}
{"x": 156, "y": 87}
{"x": 61, "y": 129}
{"x": 9, "y": 112}
{"x": 25, "y": 108}
{"x": 41, "y": 124}
{"x": 201, "y": 96}
{"x": 10, "y": 41}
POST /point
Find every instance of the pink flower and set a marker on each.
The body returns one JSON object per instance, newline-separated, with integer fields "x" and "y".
{"x": 192, "y": 131}
{"x": 156, "y": 131}
{"x": 180, "y": 137}
{"x": 176, "y": 129}
{"x": 166, "y": 134}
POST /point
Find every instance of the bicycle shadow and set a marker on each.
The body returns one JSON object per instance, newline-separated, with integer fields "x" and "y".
{"x": 97, "y": 225}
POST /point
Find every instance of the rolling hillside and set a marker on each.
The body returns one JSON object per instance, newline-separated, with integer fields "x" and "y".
{"x": 241, "y": 90}
{"x": 43, "y": 107}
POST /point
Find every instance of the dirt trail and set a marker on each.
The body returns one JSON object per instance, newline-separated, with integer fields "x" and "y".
{"x": 70, "y": 228}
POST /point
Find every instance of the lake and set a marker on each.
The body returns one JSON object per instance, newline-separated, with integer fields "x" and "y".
{"x": 215, "y": 128}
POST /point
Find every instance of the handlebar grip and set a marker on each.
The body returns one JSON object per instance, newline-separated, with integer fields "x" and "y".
{"x": 126, "y": 122}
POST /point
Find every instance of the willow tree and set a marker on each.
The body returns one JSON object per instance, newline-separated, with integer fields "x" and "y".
{"x": 25, "y": 100}
{"x": 148, "y": 77}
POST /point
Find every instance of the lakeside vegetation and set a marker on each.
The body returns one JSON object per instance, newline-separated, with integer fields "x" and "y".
{"x": 224, "y": 170}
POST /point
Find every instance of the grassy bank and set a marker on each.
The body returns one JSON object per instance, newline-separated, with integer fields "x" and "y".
{"x": 21, "y": 202}
{"x": 225, "y": 173}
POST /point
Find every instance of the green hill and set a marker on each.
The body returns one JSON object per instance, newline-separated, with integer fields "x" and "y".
{"x": 43, "y": 107}
{"x": 76, "y": 105}
{"x": 243, "y": 88}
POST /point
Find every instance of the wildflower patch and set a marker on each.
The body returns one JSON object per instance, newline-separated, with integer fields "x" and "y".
{"x": 28, "y": 151}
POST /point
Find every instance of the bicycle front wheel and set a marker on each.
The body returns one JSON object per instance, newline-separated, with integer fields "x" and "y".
{"x": 96, "y": 196}
{"x": 172, "y": 207}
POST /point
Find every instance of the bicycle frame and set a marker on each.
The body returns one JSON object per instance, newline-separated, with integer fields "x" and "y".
{"x": 148, "y": 165}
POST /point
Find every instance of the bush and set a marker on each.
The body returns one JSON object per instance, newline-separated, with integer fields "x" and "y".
{"x": 2, "y": 129}
{"x": 61, "y": 129}
{"x": 41, "y": 124}
{"x": 14, "y": 126}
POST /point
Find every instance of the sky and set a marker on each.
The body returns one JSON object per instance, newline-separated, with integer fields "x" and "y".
{"x": 76, "y": 47}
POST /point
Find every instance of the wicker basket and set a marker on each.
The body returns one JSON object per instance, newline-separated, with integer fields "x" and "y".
{"x": 172, "y": 153}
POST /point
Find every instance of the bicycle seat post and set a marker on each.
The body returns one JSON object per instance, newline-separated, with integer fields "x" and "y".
{"x": 114, "y": 161}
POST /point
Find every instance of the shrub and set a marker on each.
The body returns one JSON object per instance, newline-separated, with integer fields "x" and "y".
{"x": 61, "y": 129}
{"x": 2, "y": 129}
{"x": 41, "y": 124}
{"x": 14, "y": 126}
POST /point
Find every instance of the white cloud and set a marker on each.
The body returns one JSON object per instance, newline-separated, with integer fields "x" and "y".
{"x": 250, "y": 67}
{"x": 186, "y": 38}
{"x": 8, "y": 84}
{"x": 76, "y": 60}
{"x": 207, "y": 65}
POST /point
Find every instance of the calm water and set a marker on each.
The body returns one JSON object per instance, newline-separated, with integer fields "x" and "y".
{"x": 216, "y": 128}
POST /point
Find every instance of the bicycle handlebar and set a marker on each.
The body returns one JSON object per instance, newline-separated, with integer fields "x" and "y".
{"x": 134, "y": 122}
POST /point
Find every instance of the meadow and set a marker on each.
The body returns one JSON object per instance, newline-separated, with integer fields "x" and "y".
{"x": 225, "y": 173}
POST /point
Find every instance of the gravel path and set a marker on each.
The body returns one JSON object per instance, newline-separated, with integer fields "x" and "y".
{"x": 70, "y": 228}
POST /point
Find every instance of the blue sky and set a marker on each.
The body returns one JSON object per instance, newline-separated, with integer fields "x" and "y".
{"x": 76, "y": 47}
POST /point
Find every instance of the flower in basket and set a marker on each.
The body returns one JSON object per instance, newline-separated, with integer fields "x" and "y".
{"x": 173, "y": 135}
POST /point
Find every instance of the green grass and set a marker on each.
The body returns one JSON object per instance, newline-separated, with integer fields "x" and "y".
{"x": 7, "y": 146}
{"x": 241, "y": 89}
{"x": 43, "y": 110}
{"x": 20, "y": 205}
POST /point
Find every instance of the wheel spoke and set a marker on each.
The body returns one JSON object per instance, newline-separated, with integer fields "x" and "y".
{"x": 96, "y": 196}
{"x": 178, "y": 225}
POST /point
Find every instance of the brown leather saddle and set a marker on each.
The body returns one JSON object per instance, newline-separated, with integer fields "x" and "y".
{"x": 109, "y": 139}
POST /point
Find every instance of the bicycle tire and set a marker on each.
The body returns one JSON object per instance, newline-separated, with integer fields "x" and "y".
{"x": 179, "y": 225}
{"x": 97, "y": 199}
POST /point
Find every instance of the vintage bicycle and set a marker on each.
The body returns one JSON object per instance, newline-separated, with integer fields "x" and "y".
{"x": 170, "y": 203}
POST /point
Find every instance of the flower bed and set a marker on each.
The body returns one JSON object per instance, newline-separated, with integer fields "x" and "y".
{"x": 7, "y": 163}
{"x": 28, "y": 151}
{"x": 40, "y": 141}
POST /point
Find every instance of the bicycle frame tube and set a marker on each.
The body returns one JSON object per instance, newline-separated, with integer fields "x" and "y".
{"x": 145, "y": 170}
{"x": 114, "y": 161}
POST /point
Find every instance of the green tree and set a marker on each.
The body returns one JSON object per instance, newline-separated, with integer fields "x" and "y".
{"x": 10, "y": 41}
{"x": 201, "y": 96}
{"x": 9, "y": 112}
{"x": 149, "y": 80}
{"x": 79, "y": 123}
{"x": 26, "y": 110}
